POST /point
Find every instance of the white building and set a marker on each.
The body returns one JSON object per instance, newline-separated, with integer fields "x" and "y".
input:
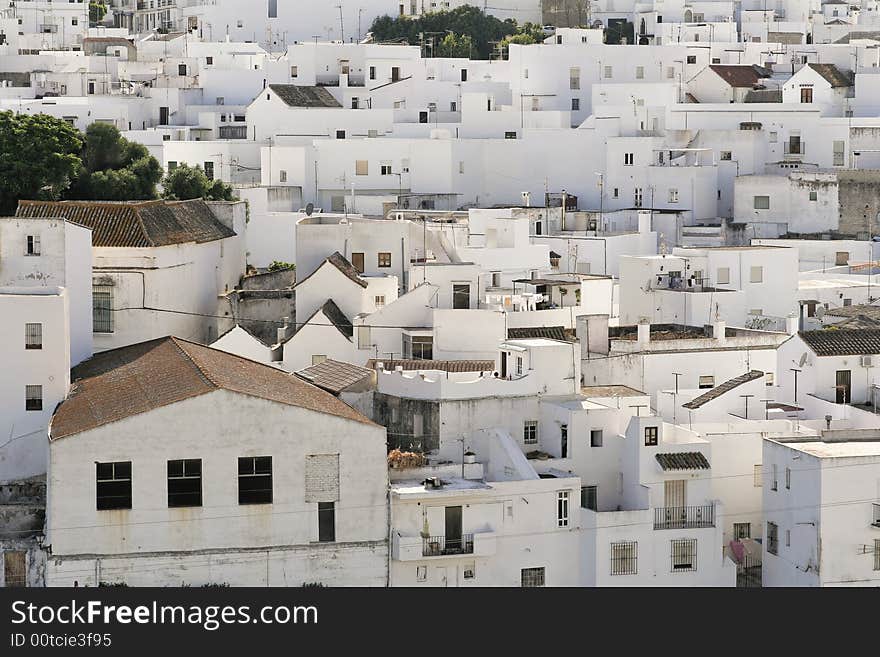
{"x": 822, "y": 510}
{"x": 235, "y": 473}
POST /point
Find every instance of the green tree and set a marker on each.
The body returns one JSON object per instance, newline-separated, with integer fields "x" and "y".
{"x": 185, "y": 182}
{"x": 454, "y": 45}
{"x": 97, "y": 11}
{"x": 39, "y": 157}
{"x": 115, "y": 169}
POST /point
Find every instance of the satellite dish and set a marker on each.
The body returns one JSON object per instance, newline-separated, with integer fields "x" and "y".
{"x": 309, "y": 209}
{"x": 803, "y": 359}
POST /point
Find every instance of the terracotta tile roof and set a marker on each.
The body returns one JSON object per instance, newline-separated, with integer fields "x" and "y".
{"x": 833, "y": 75}
{"x": 843, "y": 342}
{"x": 441, "y": 365}
{"x": 719, "y": 390}
{"x": 549, "y": 332}
{"x": 343, "y": 265}
{"x": 135, "y": 223}
{"x": 683, "y": 461}
{"x": 861, "y": 322}
{"x": 120, "y": 383}
{"x": 334, "y": 376}
{"x": 304, "y": 96}
{"x": 741, "y": 76}
{"x": 861, "y": 309}
{"x": 763, "y": 96}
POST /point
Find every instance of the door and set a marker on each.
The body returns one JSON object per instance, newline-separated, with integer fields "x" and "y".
{"x": 503, "y": 364}
{"x": 14, "y": 570}
{"x": 163, "y": 116}
{"x": 461, "y": 296}
{"x": 563, "y": 450}
{"x": 806, "y": 94}
{"x": 395, "y": 73}
{"x": 453, "y": 530}
{"x": 675, "y": 500}
{"x": 357, "y": 260}
{"x": 843, "y": 386}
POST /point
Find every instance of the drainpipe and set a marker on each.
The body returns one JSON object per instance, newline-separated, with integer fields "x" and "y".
{"x": 390, "y": 539}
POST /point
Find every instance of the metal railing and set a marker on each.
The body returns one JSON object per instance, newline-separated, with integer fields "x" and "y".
{"x": 437, "y": 546}
{"x": 684, "y": 517}
{"x": 795, "y": 148}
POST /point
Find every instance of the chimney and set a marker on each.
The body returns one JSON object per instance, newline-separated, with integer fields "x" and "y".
{"x": 644, "y": 331}
{"x": 792, "y": 324}
{"x": 644, "y": 221}
{"x": 282, "y": 330}
{"x": 719, "y": 330}
{"x": 828, "y": 422}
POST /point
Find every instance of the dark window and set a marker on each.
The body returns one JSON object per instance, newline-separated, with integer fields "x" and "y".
{"x": 691, "y": 59}
{"x": 772, "y": 538}
{"x": 372, "y": 72}
{"x": 384, "y": 259}
{"x": 510, "y": 135}
{"x": 181, "y": 69}
{"x": 650, "y": 436}
{"x": 589, "y": 497}
{"x": 684, "y": 555}
{"x": 209, "y": 170}
{"x": 273, "y": 8}
{"x": 532, "y": 577}
{"x": 185, "y": 482}
{"x": 742, "y": 530}
{"x": 596, "y": 438}
{"x": 209, "y": 60}
{"x": 102, "y": 308}
{"x": 33, "y": 245}
{"x": 33, "y": 336}
{"x": 113, "y": 490}
{"x": 33, "y": 398}
{"x": 464, "y": 75}
{"x": 461, "y": 296}
{"x": 255, "y": 480}
{"x": 326, "y": 522}
{"x": 575, "y": 104}
{"x": 563, "y": 430}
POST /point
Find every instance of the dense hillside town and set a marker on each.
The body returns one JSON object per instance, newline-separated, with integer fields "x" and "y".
{"x": 399, "y": 293}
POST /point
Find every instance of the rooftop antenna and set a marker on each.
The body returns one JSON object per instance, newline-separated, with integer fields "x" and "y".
{"x": 746, "y": 397}
{"x": 341, "y": 24}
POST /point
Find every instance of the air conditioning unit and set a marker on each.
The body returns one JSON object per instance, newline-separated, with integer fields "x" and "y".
{"x": 867, "y": 360}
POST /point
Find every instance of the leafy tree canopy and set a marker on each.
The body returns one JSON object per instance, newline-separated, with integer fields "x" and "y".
{"x": 115, "y": 169}
{"x": 39, "y": 157}
{"x": 462, "y": 32}
{"x": 185, "y": 182}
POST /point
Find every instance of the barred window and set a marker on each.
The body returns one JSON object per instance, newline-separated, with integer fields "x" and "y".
{"x": 530, "y": 432}
{"x": 532, "y": 577}
{"x": 113, "y": 485}
{"x": 185, "y": 482}
{"x": 742, "y": 530}
{"x": 102, "y": 308}
{"x": 33, "y": 336}
{"x": 33, "y": 398}
{"x": 758, "y": 477}
{"x": 384, "y": 259}
{"x": 625, "y": 558}
{"x": 684, "y": 555}
{"x": 255, "y": 480}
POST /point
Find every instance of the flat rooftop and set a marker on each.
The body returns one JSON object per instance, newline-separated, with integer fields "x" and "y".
{"x": 838, "y": 449}
{"x": 611, "y": 391}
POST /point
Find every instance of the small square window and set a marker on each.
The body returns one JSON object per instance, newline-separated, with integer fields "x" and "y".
{"x": 814, "y": 196}
{"x": 691, "y": 59}
{"x": 707, "y": 382}
{"x": 722, "y": 276}
{"x": 33, "y": 398}
{"x": 33, "y": 336}
{"x": 530, "y": 432}
{"x": 756, "y": 274}
{"x": 532, "y": 577}
{"x": 651, "y": 436}
{"x": 761, "y": 202}
{"x": 185, "y": 483}
{"x": 625, "y": 558}
{"x": 361, "y": 168}
{"x": 384, "y": 259}
{"x": 684, "y": 555}
{"x": 726, "y": 156}
{"x": 596, "y": 438}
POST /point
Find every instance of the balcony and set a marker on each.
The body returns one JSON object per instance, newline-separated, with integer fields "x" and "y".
{"x": 794, "y": 149}
{"x": 440, "y": 546}
{"x": 684, "y": 517}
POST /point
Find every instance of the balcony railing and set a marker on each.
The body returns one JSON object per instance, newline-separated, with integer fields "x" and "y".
{"x": 795, "y": 148}
{"x": 684, "y": 517}
{"x": 438, "y": 546}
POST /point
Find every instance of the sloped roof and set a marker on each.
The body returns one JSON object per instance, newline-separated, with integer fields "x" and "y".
{"x": 334, "y": 376}
{"x": 860, "y": 309}
{"x": 441, "y": 365}
{"x": 719, "y": 390}
{"x": 549, "y": 332}
{"x": 763, "y": 96}
{"x": 337, "y": 318}
{"x": 135, "y": 223}
{"x": 741, "y": 76}
{"x": 833, "y": 75}
{"x": 861, "y": 322}
{"x": 852, "y": 36}
{"x": 343, "y": 265}
{"x": 683, "y": 461}
{"x": 842, "y": 342}
{"x": 124, "y": 382}
{"x": 304, "y": 96}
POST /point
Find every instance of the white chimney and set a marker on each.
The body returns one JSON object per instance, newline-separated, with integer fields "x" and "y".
{"x": 792, "y": 324}
{"x": 720, "y": 330}
{"x": 644, "y": 221}
{"x": 644, "y": 331}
